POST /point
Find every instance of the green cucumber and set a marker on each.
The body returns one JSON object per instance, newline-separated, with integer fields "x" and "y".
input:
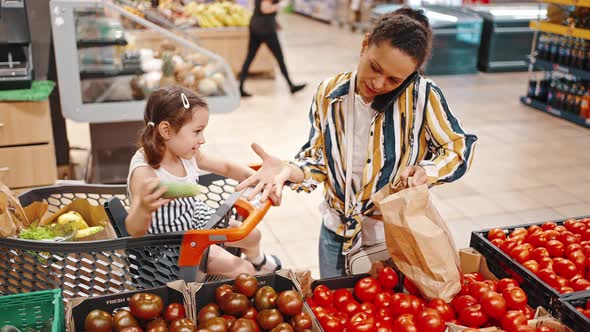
{"x": 179, "y": 189}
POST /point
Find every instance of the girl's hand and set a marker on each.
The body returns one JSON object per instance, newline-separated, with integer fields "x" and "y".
{"x": 150, "y": 196}
{"x": 270, "y": 178}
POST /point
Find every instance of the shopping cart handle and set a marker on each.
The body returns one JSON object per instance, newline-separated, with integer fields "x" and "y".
{"x": 195, "y": 242}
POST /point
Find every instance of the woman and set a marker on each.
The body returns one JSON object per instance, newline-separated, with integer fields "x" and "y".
{"x": 263, "y": 30}
{"x": 403, "y": 131}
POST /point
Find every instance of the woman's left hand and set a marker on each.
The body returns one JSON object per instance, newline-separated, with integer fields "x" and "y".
{"x": 416, "y": 174}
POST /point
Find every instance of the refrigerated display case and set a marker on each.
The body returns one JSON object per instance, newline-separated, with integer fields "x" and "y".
{"x": 506, "y": 37}
{"x": 456, "y": 38}
{"x": 323, "y": 10}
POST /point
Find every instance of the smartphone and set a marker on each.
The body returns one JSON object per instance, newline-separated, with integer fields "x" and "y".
{"x": 384, "y": 102}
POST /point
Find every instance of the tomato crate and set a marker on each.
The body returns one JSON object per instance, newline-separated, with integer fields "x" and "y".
{"x": 42, "y": 310}
{"x": 572, "y": 317}
{"x": 503, "y": 266}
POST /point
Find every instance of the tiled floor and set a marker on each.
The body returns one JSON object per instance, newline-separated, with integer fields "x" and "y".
{"x": 528, "y": 166}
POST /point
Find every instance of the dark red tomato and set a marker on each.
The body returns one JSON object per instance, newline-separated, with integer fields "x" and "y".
{"x": 367, "y": 289}
{"x": 528, "y": 312}
{"x": 302, "y": 321}
{"x": 98, "y": 321}
{"x": 493, "y": 304}
{"x": 383, "y": 299}
{"x": 444, "y": 309}
{"x": 506, "y": 283}
{"x": 350, "y": 307}
{"x": 411, "y": 287}
{"x": 174, "y": 311}
{"x": 515, "y": 298}
{"x": 566, "y": 290}
{"x": 388, "y": 278}
{"x": 251, "y": 313}
{"x": 404, "y": 323}
{"x": 546, "y": 263}
{"x": 221, "y": 291}
{"x": 567, "y": 238}
{"x": 512, "y": 320}
{"x": 340, "y": 296}
{"x": 555, "y": 248}
{"x": 565, "y": 268}
{"x": 538, "y": 253}
{"x": 520, "y": 253}
{"x": 323, "y": 296}
{"x": 580, "y": 284}
{"x": 331, "y": 324}
{"x": 400, "y": 305}
{"x": 361, "y": 322}
{"x": 477, "y": 289}
{"x": 146, "y": 306}
{"x": 183, "y": 325}
{"x": 571, "y": 248}
{"x": 548, "y": 225}
{"x": 131, "y": 329}
{"x": 473, "y": 316}
{"x": 461, "y": 302}
{"x": 429, "y": 320}
{"x": 496, "y": 233}
{"x": 368, "y": 307}
{"x": 531, "y": 265}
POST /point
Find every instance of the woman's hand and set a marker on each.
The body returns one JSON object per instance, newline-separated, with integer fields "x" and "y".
{"x": 269, "y": 179}
{"x": 415, "y": 174}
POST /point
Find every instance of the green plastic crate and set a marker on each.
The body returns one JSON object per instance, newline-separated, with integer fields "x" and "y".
{"x": 31, "y": 310}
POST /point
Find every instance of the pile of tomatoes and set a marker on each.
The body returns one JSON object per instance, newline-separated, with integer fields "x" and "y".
{"x": 558, "y": 255}
{"x": 244, "y": 307}
{"x": 373, "y": 306}
{"x": 146, "y": 312}
{"x": 586, "y": 310}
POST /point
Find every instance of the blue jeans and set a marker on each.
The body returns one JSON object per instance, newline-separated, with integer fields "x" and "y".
{"x": 330, "y": 252}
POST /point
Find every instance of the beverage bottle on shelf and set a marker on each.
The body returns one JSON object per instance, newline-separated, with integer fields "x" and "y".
{"x": 544, "y": 88}
{"x": 558, "y": 103}
{"x": 581, "y": 54}
{"x": 541, "y": 44}
{"x": 551, "y": 93}
{"x": 547, "y": 45}
{"x": 532, "y": 90}
{"x": 568, "y": 102}
{"x": 567, "y": 52}
{"x": 561, "y": 51}
{"x": 575, "y": 52}
{"x": 578, "y": 99}
{"x": 585, "y": 105}
{"x": 554, "y": 50}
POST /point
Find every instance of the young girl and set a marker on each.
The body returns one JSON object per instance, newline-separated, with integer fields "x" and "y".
{"x": 175, "y": 120}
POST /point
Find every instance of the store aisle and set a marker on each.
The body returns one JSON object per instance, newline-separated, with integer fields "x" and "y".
{"x": 528, "y": 166}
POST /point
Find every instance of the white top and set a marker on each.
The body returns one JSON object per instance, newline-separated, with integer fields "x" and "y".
{"x": 190, "y": 166}
{"x": 372, "y": 229}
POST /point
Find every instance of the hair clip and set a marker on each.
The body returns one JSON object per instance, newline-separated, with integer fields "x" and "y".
{"x": 185, "y": 102}
{"x": 151, "y": 124}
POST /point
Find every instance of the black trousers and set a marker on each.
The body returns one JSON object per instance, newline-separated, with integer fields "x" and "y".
{"x": 272, "y": 41}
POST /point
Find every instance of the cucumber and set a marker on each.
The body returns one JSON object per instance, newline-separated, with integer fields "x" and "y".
{"x": 178, "y": 189}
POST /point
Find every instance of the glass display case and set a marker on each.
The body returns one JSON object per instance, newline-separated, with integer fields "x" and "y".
{"x": 106, "y": 70}
{"x": 506, "y": 37}
{"x": 456, "y": 38}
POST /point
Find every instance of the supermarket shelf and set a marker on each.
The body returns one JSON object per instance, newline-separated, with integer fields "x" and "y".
{"x": 89, "y": 74}
{"x": 578, "y": 3}
{"x": 560, "y": 29}
{"x": 555, "y": 112}
{"x": 548, "y": 66}
{"x": 83, "y": 43}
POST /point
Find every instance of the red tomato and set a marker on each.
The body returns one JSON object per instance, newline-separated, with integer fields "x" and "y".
{"x": 579, "y": 259}
{"x": 496, "y": 233}
{"x": 493, "y": 304}
{"x": 546, "y": 263}
{"x": 429, "y": 320}
{"x": 388, "y": 278}
{"x": 323, "y": 296}
{"x": 515, "y": 298}
{"x": 319, "y": 312}
{"x": 565, "y": 268}
{"x": 567, "y": 238}
{"x": 492, "y": 284}
{"x": 340, "y": 296}
{"x": 586, "y": 313}
{"x": 555, "y": 248}
{"x": 478, "y": 288}
{"x": 350, "y": 307}
{"x": 551, "y": 234}
{"x": 311, "y": 303}
{"x": 444, "y": 309}
{"x": 544, "y": 329}
{"x": 506, "y": 283}
{"x": 461, "y": 302}
{"x": 561, "y": 281}
{"x": 538, "y": 253}
{"x": 331, "y": 324}
{"x": 342, "y": 317}
{"x": 532, "y": 265}
{"x": 383, "y": 315}
{"x": 410, "y": 287}
{"x": 533, "y": 229}
{"x": 367, "y": 289}
{"x": 580, "y": 284}
{"x": 519, "y": 232}
{"x": 520, "y": 253}
{"x": 512, "y": 319}
{"x": 538, "y": 239}
{"x": 417, "y": 304}
{"x": 566, "y": 290}
{"x": 508, "y": 245}
{"x": 560, "y": 229}
{"x": 579, "y": 228}
{"x": 569, "y": 224}
{"x": 368, "y": 307}
{"x": 525, "y": 328}
{"x": 528, "y": 312}
{"x": 548, "y": 225}
{"x": 401, "y": 305}
{"x": 586, "y": 234}
{"x": 497, "y": 242}
{"x": 383, "y": 299}
{"x": 405, "y": 323}
{"x": 361, "y": 322}
{"x": 473, "y": 316}
{"x": 571, "y": 248}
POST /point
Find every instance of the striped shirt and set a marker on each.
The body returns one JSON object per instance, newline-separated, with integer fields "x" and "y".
{"x": 418, "y": 127}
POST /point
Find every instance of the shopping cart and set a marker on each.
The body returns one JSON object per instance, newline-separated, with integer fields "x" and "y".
{"x": 122, "y": 264}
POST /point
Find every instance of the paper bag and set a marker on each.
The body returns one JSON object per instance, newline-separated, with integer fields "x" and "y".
{"x": 419, "y": 241}
{"x": 12, "y": 216}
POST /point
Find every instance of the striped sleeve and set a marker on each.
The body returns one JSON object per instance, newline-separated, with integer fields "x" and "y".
{"x": 310, "y": 159}
{"x": 451, "y": 146}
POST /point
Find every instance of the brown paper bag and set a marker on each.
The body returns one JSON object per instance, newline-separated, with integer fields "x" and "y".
{"x": 12, "y": 216}
{"x": 419, "y": 241}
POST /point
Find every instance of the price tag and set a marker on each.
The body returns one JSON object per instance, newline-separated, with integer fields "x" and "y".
{"x": 553, "y": 111}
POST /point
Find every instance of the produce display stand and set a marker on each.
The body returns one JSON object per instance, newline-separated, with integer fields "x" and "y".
{"x": 572, "y": 317}
{"x": 110, "y": 266}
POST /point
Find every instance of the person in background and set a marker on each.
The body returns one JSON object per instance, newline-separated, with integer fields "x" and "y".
{"x": 263, "y": 30}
